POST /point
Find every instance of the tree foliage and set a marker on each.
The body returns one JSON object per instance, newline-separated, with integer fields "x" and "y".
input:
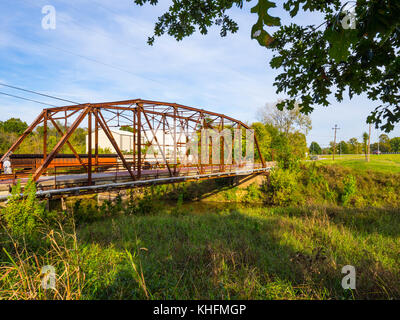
{"x": 316, "y": 62}
{"x": 286, "y": 120}
{"x": 13, "y": 125}
{"x": 395, "y": 144}
{"x": 11, "y": 129}
{"x": 315, "y": 148}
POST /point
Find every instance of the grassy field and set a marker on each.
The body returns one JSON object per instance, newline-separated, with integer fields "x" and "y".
{"x": 244, "y": 254}
{"x": 389, "y": 163}
{"x": 261, "y": 253}
{"x": 147, "y": 248}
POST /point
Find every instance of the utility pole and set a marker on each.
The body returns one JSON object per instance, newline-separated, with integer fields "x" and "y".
{"x": 378, "y": 143}
{"x": 334, "y": 141}
{"x": 369, "y": 143}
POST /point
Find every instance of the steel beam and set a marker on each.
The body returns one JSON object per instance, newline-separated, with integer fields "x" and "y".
{"x": 60, "y": 144}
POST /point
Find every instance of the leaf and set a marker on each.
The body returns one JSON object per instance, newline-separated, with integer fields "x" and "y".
{"x": 340, "y": 42}
{"x": 264, "y": 19}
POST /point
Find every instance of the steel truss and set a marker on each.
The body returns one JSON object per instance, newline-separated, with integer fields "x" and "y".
{"x": 145, "y": 120}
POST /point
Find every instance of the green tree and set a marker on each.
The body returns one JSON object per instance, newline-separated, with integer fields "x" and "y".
{"x": 384, "y": 143}
{"x": 315, "y": 148}
{"x": 395, "y": 144}
{"x": 13, "y": 125}
{"x": 285, "y": 120}
{"x": 264, "y": 140}
{"x": 298, "y": 144}
{"x": 333, "y": 146}
{"x": 344, "y": 147}
{"x": 354, "y": 146}
{"x": 365, "y": 137}
{"x": 315, "y": 61}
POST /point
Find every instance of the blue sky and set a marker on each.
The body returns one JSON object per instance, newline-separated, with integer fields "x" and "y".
{"x": 228, "y": 75}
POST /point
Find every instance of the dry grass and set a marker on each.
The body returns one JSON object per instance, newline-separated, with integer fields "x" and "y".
{"x": 21, "y": 277}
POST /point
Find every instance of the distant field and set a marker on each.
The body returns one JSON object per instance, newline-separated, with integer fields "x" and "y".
{"x": 382, "y": 163}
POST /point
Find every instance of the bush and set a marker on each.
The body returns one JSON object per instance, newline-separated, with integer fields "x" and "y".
{"x": 24, "y": 215}
{"x": 287, "y": 159}
{"x": 281, "y": 186}
{"x": 349, "y": 189}
{"x": 253, "y": 193}
{"x": 88, "y": 211}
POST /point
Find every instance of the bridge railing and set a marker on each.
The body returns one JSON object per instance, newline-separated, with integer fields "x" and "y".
{"x": 70, "y": 176}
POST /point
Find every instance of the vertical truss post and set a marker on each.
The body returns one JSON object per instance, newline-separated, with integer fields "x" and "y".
{"x": 139, "y": 140}
{"x": 240, "y": 146}
{"x": 164, "y": 119}
{"x": 45, "y": 134}
{"x": 187, "y": 142}
{"x": 222, "y": 148}
{"x": 134, "y": 140}
{"x": 89, "y": 171}
{"x": 259, "y": 152}
{"x": 96, "y": 140}
{"x": 175, "y": 144}
{"x": 201, "y": 142}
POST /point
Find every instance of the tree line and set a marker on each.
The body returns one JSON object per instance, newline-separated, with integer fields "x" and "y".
{"x": 354, "y": 146}
{"x": 11, "y": 129}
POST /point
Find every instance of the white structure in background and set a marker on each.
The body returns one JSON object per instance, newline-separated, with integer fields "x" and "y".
{"x": 124, "y": 139}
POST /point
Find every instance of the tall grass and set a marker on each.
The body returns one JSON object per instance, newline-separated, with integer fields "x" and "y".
{"x": 144, "y": 248}
{"x": 20, "y": 269}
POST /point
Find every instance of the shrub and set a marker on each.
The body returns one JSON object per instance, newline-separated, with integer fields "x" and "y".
{"x": 145, "y": 205}
{"x": 231, "y": 194}
{"x": 287, "y": 159}
{"x": 281, "y": 186}
{"x": 253, "y": 193}
{"x": 349, "y": 189}
{"x": 23, "y": 215}
{"x": 179, "y": 210}
{"x": 88, "y": 210}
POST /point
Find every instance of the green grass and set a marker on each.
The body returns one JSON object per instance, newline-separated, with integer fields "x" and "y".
{"x": 388, "y": 163}
{"x": 146, "y": 248}
{"x": 212, "y": 253}
{"x": 262, "y": 253}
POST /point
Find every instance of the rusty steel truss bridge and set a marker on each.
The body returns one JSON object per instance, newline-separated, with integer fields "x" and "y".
{"x": 157, "y": 131}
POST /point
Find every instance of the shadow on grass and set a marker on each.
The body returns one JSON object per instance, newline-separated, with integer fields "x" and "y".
{"x": 360, "y": 221}
{"x": 231, "y": 255}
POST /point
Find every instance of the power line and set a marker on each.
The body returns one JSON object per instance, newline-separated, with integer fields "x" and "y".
{"x": 90, "y": 59}
{"x": 38, "y": 93}
{"x": 31, "y": 100}
{"x": 100, "y": 62}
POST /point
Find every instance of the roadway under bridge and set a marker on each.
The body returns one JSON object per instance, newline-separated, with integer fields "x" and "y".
{"x": 160, "y": 149}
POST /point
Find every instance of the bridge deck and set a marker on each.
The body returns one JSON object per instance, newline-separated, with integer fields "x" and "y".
{"x": 73, "y": 184}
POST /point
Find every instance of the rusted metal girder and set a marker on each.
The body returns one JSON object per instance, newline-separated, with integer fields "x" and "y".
{"x": 68, "y": 144}
{"x": 28, "y": 130}
{"x": 60, "y": 144}
{"x": 109, "y": 135}
{"x": 177, "y": 121}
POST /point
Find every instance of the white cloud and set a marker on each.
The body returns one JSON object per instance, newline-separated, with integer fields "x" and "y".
{"x": 229, "y": 75}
